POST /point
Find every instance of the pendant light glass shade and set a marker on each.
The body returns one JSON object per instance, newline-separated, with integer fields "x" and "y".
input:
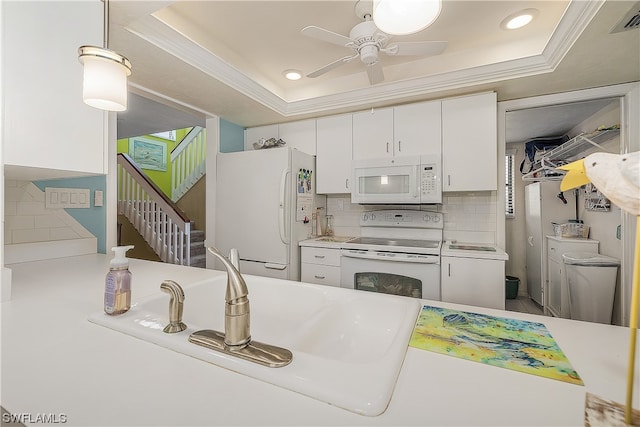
{"x": 105, "y": 78}
{"x": 402, "y": 17}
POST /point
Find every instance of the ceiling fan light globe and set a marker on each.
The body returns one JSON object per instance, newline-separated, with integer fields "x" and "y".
{"x": 369, "y": 54}
{"x": 402, "y": 17}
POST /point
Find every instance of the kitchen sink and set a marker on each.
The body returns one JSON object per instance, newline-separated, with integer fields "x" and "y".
{"x": 348, "y": 346}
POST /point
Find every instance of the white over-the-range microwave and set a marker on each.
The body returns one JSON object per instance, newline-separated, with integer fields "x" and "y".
{"x": 397, "y": 180}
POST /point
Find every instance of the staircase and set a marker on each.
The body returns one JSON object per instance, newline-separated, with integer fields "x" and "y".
{"x": 197, "y": 249}
{"x": 155, "y": 217}
{"x": 158, "y": 219}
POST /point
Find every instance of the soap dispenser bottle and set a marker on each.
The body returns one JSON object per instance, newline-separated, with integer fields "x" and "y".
{"x": 117, "y": 291}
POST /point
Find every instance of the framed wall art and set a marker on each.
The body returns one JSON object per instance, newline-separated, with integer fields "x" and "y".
{"x": 148, "y": 153}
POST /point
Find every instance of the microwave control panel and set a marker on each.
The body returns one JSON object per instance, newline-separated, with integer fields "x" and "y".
{"x": 429, "y": 180}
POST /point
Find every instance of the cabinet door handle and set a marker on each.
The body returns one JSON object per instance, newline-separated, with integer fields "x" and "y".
{"x": 530, "y": 240}
{"x": 346, "y": 183}
{"x": 319, "y": 277}
{"x": 387, "y": 147}
{"x": 319, "y": 256}
{"x": 399, "y": 146}
{"x": 449, "y": 180}
{"x": 449, "y": 269}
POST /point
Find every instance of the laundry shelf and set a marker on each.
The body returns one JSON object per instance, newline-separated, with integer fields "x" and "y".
{"x": 576, "y": 148}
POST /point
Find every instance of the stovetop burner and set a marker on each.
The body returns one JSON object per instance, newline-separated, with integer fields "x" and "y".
{"x": 396, "y": 231}
{"x": 425, "y": 247}
{"x": 432, "y": 244}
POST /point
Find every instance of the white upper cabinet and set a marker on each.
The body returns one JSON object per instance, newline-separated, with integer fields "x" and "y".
{"x": 48, "y": 130}
{"x": 300, "y": 135}
{"x": 333, "y": 161}
{"x": 404, "y": 130}
{"x": 417, "y": 128}
{"x": 470, "y": 143}
{"x": 373, "y": 133}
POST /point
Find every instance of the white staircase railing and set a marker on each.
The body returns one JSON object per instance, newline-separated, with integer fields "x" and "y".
{"x": 188, "y": 162}
{"x": 165, "y": 227}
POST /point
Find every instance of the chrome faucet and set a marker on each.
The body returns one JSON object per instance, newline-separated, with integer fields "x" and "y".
{"x": 236, "y": 339}
{"x": 175, "y": 306}
{"x": 236, "y": 310}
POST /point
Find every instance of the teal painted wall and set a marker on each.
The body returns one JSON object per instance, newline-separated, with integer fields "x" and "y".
{"x": 93, "y": 219}
{"x": 231, "y": 137}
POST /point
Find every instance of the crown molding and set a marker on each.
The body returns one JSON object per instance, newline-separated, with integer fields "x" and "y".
{"x": 575, "y": 19}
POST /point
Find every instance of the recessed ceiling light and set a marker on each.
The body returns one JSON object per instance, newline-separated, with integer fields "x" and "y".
{"x": 518, "y": 19}
{"x": 292, "y": 74}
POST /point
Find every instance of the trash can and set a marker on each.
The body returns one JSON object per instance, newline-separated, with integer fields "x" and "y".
{"x": 511, "y": 283}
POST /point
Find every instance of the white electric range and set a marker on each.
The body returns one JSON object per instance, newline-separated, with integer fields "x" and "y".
{"x": 398, "y": 253}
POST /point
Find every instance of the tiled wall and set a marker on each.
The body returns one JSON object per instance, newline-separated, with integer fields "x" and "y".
{"x": 468, "y": 217}
{"x": 26, "y": 220}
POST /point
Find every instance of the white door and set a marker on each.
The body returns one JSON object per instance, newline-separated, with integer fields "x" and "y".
{"x": 534, "y": 242}
{"x": 249, "y": 194}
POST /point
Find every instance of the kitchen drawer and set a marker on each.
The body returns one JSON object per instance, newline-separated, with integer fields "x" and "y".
{"x": 322, "y": 256}
{"x": 320, "y": 274}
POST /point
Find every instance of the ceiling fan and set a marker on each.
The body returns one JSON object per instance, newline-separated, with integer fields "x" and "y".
{"x": 367, "y": 42}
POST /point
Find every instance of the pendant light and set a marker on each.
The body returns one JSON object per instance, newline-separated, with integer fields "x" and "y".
{"x": 105, "y": 73}
{"x": 402, "y": 17}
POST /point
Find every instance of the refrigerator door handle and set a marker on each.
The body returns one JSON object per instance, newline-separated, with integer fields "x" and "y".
{"x": 281, "y": 206}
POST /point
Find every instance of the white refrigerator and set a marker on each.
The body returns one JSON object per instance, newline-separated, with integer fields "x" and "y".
{"x": 542, "y": 208}
{"x": 264, "y": 203}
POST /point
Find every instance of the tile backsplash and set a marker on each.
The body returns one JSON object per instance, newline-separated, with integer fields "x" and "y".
{"x": 26, "y": 220}
{"x": 468, "y": 216}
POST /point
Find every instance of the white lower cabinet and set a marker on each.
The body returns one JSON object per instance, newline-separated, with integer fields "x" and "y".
{"x": 557, "y": 301}
{"x": 473, "y": 281}
{"x": 321, "y": 266}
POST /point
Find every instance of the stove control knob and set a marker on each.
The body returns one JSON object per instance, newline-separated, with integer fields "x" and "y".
{"x": 365, "y": 217}
{"x": 373, "y": 217}
{"x": 427, "y": 218}
{"x": 436, "y": 218}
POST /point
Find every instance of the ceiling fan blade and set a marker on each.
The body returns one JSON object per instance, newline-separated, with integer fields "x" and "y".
{"x": 375, "y": 73}
{"x": 331, "y": 66}
{"x": 326, "y": 35}
{"x": 415, "y": 48}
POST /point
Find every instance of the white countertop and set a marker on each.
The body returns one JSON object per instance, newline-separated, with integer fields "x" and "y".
{"x": 474, "y": 250}
{"x": 571, "y": 239}
{"x": 332, "y": 242}
{"x": 55, "y": 361}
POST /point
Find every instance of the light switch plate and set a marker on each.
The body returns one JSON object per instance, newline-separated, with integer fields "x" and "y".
{"x": 98, "y": 198}
{"x": 64, "y": 198}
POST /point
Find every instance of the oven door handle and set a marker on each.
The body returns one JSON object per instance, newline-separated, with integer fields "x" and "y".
{"x": 390, "y": 256}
